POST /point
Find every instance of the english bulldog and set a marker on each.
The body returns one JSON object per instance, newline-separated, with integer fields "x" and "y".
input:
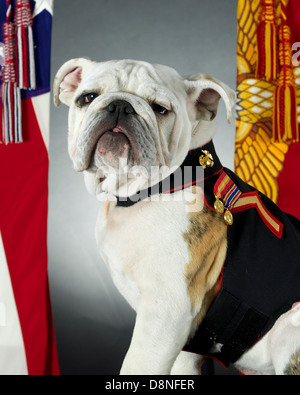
{"x": 188, "y": 254}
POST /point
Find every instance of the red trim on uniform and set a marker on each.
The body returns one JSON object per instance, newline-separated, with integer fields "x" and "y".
{"x": 207, "y": 204}
{"x": 295, "y": 305}
{"x": 215, "y": 359}
{"x": 254, "y": 204}
{"x": 193, "y": 182}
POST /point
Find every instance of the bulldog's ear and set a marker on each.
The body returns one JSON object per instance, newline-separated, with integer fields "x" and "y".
{"x": 68, "y": 79}
{"x": 205, "y": 92}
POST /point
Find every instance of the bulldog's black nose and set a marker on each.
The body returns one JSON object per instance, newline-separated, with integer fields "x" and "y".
{"x": 120, "y": 107}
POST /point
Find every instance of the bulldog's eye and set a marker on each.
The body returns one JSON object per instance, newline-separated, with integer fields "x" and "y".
{"x": 159, "y": 109}
{"x": 86, "y": 99}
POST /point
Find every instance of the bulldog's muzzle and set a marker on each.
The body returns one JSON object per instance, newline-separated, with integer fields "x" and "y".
{"x": 112, "y": 133}
{"x": 119, "y": 141}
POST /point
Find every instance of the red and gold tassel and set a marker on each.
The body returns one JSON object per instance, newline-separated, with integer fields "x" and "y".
{"x": 25, "y": 48}
{"x": 267, "y": 43}
{"x": 18, "y": 70}
{"x": 10, "y": 93}
{"x": 285, "y": 125}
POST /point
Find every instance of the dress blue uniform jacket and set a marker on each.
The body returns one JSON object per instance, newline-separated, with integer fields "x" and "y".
{"x": 261, "y": 275}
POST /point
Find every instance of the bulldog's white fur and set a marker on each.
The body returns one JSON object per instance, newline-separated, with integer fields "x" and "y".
{"x": 144, "y": 245}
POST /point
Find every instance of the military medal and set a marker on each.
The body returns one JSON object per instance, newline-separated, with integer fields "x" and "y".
{"x": 226, "y": 190}
{"x": 219, "y": 206}
{"x": 228, "y": 217}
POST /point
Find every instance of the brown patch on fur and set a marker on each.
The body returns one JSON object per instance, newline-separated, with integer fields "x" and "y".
{"x": 207, "y": 241}
{"x": 293, "y": 369}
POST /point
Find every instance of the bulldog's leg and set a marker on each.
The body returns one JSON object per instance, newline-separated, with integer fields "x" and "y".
{"x": 278, "y": 352}
{"x": 187, "y": 363}
{"x": 285, "y": 343}
{"x": 161, "y": 331}
{"x": 173, "y": 289}
{"x": 293, "y": 368}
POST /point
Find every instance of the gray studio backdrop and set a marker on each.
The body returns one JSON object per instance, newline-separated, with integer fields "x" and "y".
{"x": 93, "y": 323}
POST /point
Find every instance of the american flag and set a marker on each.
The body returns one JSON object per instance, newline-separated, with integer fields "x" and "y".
{"x": 27, "y": 340}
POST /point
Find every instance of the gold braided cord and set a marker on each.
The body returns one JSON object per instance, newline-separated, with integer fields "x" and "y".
{"x": 258, "y": 160}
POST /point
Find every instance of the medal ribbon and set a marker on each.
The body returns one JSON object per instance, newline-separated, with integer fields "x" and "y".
{"x": 226, "y": 190}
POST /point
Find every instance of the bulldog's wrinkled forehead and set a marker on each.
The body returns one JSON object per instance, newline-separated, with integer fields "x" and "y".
{"x": 140, "y": 78}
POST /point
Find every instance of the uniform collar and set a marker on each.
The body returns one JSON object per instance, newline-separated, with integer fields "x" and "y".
{"x": 198, "y": 173}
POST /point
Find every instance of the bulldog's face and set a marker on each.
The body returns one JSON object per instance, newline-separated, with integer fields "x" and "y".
{"x": 127, "y": 115}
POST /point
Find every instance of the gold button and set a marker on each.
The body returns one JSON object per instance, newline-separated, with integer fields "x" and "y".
{"x": 206, "y": 160}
